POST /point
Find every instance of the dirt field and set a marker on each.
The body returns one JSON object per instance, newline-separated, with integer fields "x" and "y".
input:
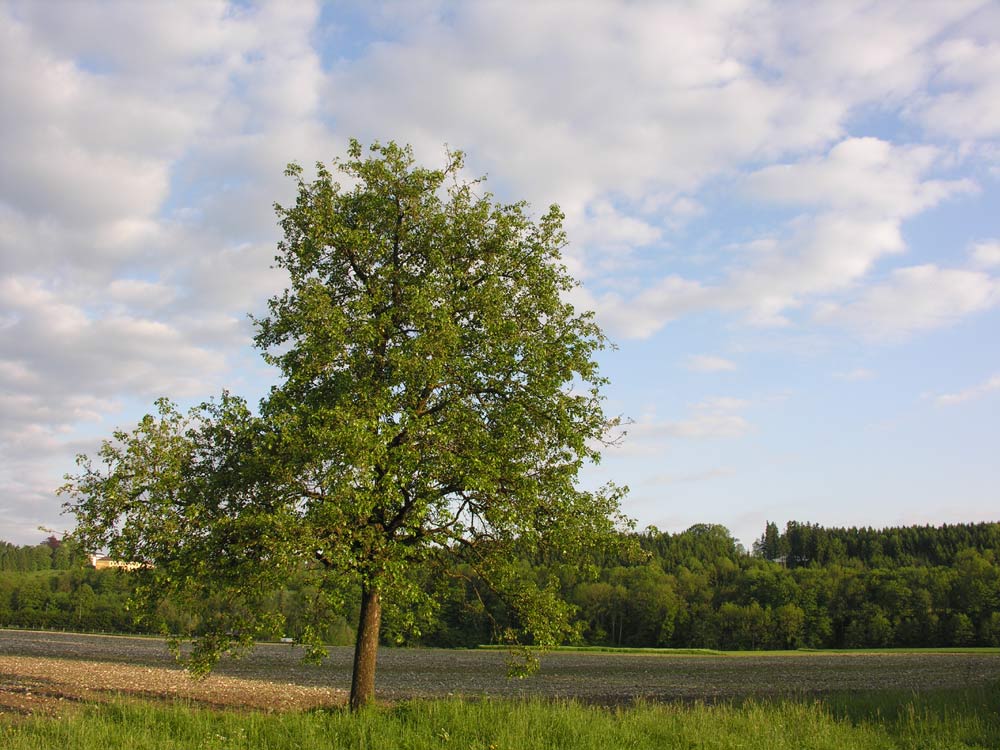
{"x": 47, "y": 672}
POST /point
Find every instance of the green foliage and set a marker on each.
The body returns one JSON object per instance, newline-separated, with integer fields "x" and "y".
{"x": 803, "y": 544}
{"x": 77, "y": 599}
{"x": 52, "y": 554}
{"x": 438, "y": 394}
{"x": 693, "y": 589}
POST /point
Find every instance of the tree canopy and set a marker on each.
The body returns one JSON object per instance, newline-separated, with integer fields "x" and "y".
{"x": 438, "y": 398}
{"x": 898, "y": 587}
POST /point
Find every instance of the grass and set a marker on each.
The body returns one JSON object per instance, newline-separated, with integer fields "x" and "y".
{"x": 939, "y": 720}
{"x": 895, "y": 650}
{"x": 760, "y": 653}
{"x": 627, "y": 650}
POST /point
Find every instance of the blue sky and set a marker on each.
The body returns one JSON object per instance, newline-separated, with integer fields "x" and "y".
{"x": 785, "y": 215}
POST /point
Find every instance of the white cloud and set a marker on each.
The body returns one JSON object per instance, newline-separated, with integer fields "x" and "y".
{"x": 786, "y": 80}
{"x": 103, "y": 134}
{"x": 143, "y": 147}
{"x": 970, "y": 394}
{"x": 861, "y": 176}
{"x": 683, "y": 207}
{"x": 820, "y": 255}
{"x": 863, "y": 188}
{"x": 713, "y": 418}
{"x": 858, "y": 373}
{"x": 614, "y": 98}
{"x": 607, "y": 226}
{"x": 144, "y": 144}
{"x": 659, "y": 480}
{"x": 65, "y": 371}
{"x": 969, "y": 74}
{"x": 647, "y": 312}
{"x": 141, "y": 294}
{"x": 915, "y": 298}
{"x": 861, "y": 191}
{"x": 986, "y": 254}
{"x": 58, "y": 357}
{"x": 606, "y": 237}
{"x": 722, "y": 404}
{"x": 76, "y": 149}
{"x": 644, "y": 435}
{"x": 709, "y": 363}
{"x": 184, "y": 41}
{"x": 865, "y": 52}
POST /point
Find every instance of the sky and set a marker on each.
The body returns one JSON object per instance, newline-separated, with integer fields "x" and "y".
{"x": 785, "y": 215}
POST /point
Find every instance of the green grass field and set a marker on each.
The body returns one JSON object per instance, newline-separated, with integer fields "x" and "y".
{"x": 940, "y": 720}
{"x": 755, "y": 654}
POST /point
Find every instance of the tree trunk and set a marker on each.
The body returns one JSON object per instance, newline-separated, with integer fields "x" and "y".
{"x": 366, "y": 649}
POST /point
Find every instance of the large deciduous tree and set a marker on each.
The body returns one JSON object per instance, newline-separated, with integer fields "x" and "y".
{"x": 438, "y": 399}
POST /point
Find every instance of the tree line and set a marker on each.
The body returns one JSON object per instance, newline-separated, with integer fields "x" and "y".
{"x": 803, "y": 587}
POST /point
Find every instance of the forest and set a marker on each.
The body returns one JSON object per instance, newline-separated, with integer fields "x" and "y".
{"x": 801, "y": 587}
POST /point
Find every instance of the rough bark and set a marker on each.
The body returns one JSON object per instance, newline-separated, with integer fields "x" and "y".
{"x": 366, "y": 649}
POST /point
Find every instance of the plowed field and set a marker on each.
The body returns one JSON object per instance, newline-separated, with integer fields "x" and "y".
{"x": 46, "y": 672}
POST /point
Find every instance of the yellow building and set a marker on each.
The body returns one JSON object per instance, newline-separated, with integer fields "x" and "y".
{"x": 101, "y": 562}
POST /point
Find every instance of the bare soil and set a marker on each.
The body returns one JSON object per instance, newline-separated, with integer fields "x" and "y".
{"x": 38, "y": 685}
{"x": 47, "y": 672}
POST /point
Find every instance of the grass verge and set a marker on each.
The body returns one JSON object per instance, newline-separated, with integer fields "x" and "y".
{"x": 942, "y": 720}
{"x": 621, "y": 650}
{"x": 787, "y": 652}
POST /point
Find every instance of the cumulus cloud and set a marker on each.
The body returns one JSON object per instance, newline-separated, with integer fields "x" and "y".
{"x": 642, "y": 314}
{"x": 709, "y": 363}
{"x": 644, "y": 435}
{"x": 914, "y": 299}
{"x": 102, "y": 153}
{"x": 143, "y": 148}
{"x": 786, "y": 79}
{"x": 141, "y": 293}
{"x": 608, "y": 236}
{"x": 968, "y": 104}
{"x": 863, "y": 188}
{"x": 77, "y": 150}
{"x": 986, "y": 254}
{"x": 861, "y": 191}
{"x": 858, "y": 373}
{"x": 660, "y": 480}
{"x": 613, "y": 97}
{"x": 860, "y": 176}
{"x": 818, "y": 255}
{"x": 856, "y": 51}
{"x": 144, "y": 145}
{"x": 970, "y": 394}
{"x": 713, "y": 418}
{"x": 69, "y": 351}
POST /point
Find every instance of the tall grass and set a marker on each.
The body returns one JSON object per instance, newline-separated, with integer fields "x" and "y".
{"x": 943, "y": 720}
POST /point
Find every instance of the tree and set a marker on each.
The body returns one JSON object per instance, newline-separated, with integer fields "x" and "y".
{"x": 769, "y": 545}
{"x": 438, "y": 399}
{"x": 788, "y": 620}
